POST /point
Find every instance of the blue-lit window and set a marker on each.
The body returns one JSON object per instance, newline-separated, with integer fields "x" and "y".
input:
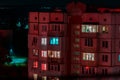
{"x": 54, "y": 41}
{"x": 119, "y": 57}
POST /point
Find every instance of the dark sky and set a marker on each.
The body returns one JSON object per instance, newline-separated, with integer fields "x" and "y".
{"x": 101, "y": 3}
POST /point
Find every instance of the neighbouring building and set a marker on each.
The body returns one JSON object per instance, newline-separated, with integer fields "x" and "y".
{"x": 75, "y": 42}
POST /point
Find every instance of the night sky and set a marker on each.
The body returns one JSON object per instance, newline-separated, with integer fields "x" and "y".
{"x": 101, "y": 3}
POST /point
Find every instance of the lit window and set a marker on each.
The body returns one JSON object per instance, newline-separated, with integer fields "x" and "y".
{"x": 44, "y": 41}
{"x": 44, "y": 77}
{"x": 43, "y": 53}
{"x": 89, "y": 28}
{"x": 58, "y": 54}
{"x": 89, "y": 56}
{"x": 43, "y": 66}
{"x": 35, "y": 76}
{"x": 50, "y": 54}
{"x": 54, "y": 54}
{"x": 35, "y": 52}
{"x": 104, "y": 29}
{"x": 119, "y": 57}
{"x": 54, "y": 41}
{"x": 35, "y": 64}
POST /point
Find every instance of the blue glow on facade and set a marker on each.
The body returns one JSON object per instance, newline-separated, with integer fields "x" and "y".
{"x": 11, "y": 52}
{"x": 26, "y": 26}
{"x": 17, "y": 61}
{"x": 54, "y": 41}
{"x": 18, "y": 24}
{"x": 119, "y": 57}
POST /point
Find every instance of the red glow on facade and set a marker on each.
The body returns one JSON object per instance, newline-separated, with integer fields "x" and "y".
{"x": 35, "y": 64}
{"x": 43, "y": 67}
{"x": 102, "y": 10}
{"x": 86, "y": 67}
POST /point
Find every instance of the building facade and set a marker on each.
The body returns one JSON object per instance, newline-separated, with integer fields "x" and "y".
{"x": 73, "y": 43}
{"x": 46, "y": 45}
{"x": 94, "y": 44}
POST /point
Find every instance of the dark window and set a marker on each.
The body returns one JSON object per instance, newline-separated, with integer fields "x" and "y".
{"x": 55, "y": 27}
{"x": 89, "y": 42}
{"x": 58, "y": 67}
{"x": 48, "y": 66}
{"x": 105, "y": 44}
{"x": 35, "y": 27}
{"x": 90, "y": 70}
{"x": 93, "y": 70}
{"x": 90, "y": 19}
{"x": 82, "y": 70}
{"x": 35, "y": 18}
{"x": 44, "y": 28}
{"x": 58, "y": 28}
{"x": 104, "y": 71}
{"x": 105, "y": 58}
{"x": 51, "y": 67}
{"x": 34, "y": 41}
{"x": 44, "y": 18}
{"x": 56, "y": 18}
{"x": 119, "y": 44}
{"x": 105, "y": 19}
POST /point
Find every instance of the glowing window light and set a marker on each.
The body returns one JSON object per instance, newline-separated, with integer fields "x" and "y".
{"x": 119, "y": 57}
{"x": 26, "y": 26}
{"x": 104, "y": 29}
{"x": 35, "y": 76}
{"x": 54, "y": 41}
{"x": 87, "y": 67}
{"x": 43, "y": 53}
{"x": 90, "y": 28}
{"x": 44, "y": 77}
{"x": 44, "y": 41}
{"x": 35, "y": 52}
{"x": 89, "y": 56}
{"x": 58, "y": 54}
{"x": 18, "y": 24}
{"x": 43, "y": 66}
{"x": 35, "y": 64}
